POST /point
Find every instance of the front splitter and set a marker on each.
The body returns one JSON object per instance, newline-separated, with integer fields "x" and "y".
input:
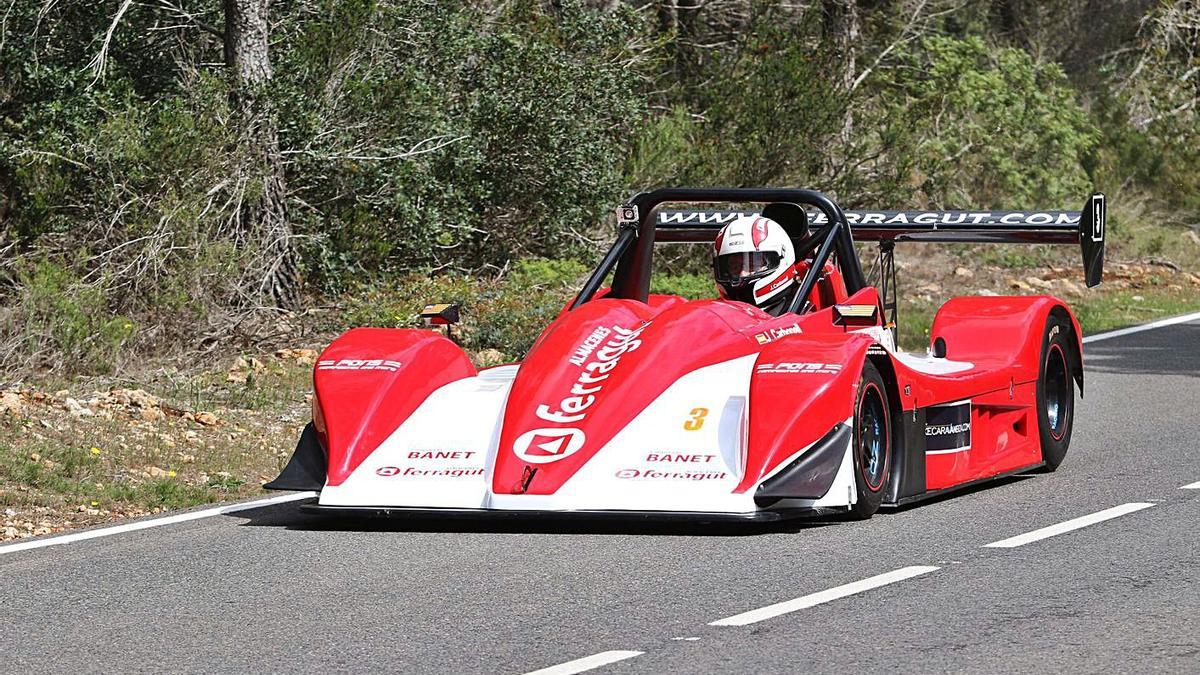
{"x": 773, "y": 516}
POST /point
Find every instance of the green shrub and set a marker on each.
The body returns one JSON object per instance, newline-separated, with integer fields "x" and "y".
{"x": 62, "y": 318}
{"x": 988, "y": 127}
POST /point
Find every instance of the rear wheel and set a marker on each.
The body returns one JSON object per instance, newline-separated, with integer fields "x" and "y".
{"x": 1055, "y": 393}
{"x": 872, "y": 443}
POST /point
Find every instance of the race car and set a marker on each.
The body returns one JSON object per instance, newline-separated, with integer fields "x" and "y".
{"x": 632, "y": 404}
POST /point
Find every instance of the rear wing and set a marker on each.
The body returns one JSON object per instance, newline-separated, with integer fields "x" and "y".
{"x": 1085, "y": 228}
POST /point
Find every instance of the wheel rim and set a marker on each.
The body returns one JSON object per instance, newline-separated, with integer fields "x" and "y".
{"x": 1056, "y": 391}
{"x": 872, "y": 436}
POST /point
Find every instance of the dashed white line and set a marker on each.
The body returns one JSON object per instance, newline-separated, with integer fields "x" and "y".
{"x": 153, "y": 522}
{"x": 772, "y": 611}
{"x": 1067, "y": 526}
{"x": 1191, "y": 486}
{"x": 586, "y": 663}
{"x": 1146, "y": 326}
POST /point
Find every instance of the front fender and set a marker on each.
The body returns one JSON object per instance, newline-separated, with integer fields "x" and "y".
{"x": 802, "y": 387}
{"x": 370, "y": 380}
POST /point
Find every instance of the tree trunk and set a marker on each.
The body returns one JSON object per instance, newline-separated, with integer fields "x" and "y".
{"x": 264, "y": 215}
{"x": 839, "y": 33}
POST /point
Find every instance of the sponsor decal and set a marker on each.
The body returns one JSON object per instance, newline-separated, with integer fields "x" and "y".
{"x": 358, "y": 364}
{"x": 414, "y": 472}
{"x": 799, "y": 368}
{"x": 541, "y": 446}
{"x": 954, "y": 218}
{"x": 775, "y": 285}
{"x": 573, "y": 408}
{"x": 773, "y": 334}
{"x": 695, "y": 419}
{"x": 652, "y": 474}
{"x": 441, "y": 454}
{"x": 589, "y": 345}
{"x": 943, "y": 429}
{"x": 948, "y": 428}
{"x": 679, "y": 458}
{"x": 902, "y": 218}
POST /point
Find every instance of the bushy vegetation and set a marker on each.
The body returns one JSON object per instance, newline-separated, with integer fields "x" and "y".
{"x": 470, "y": 151}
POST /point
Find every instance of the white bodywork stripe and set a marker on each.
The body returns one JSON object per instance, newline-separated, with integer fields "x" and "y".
{"x": 586, "y": 663}
{"x": 772, "y": 611}
{"x": 1074, "y": 524}
{"x": 153, "y": 522}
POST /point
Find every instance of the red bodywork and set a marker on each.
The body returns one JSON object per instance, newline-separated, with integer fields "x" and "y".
{"x": 999, "y": 336}
{"x": 622, "y": 376}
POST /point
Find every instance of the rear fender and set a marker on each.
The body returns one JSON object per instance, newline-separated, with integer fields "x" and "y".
{"x": 802, "y": 387}
{"x": 369, "y": 380}
{"x": 1003, "y": 331}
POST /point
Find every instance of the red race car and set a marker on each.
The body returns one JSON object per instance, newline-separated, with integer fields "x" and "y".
{"x": 632, "y": 404}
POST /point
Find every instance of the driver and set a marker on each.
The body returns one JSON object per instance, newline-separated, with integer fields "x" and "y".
{"x": 754, "y": 262}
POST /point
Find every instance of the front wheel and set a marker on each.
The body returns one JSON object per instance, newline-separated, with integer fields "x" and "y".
{"x": 1055, "y": 393}
{"x": 872, "y": 443}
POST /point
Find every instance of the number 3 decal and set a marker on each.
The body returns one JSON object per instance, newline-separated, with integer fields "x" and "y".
{"x": 697, "y": 419}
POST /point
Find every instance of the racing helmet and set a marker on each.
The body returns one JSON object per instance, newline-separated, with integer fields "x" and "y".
{"x": 753, "y": 261}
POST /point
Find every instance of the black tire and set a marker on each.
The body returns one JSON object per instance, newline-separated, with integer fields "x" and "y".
{"x": 1055, "y": 392}
{"x": 872, "y": 443}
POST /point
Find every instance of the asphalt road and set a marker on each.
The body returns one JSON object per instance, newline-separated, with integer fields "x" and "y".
{"x": 274, "y": 590}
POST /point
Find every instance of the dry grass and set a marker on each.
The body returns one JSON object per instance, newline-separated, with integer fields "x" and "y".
{"x": 192, "y": 439}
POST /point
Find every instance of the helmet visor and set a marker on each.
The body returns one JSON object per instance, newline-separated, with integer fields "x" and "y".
{"x": 735, "y": 267}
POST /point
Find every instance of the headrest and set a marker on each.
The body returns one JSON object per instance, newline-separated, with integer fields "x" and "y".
{"x": 792, "y": 217}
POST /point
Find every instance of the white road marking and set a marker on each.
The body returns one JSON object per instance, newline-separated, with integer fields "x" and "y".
{"x": 1067, "y": 526}
{"x": 1191, "y": 486}
{"x": 772, "y": 611}
{"x": 686, "y": 639}
{"x": 1143, "y": 327}
{"x": 153, "y": 522}
{"x": 586, "y": 663}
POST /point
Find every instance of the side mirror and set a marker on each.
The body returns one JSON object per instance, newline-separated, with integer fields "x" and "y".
{"x": 446, "y": 314}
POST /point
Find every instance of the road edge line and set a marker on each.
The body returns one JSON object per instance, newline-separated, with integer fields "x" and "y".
{"x": 1161, "y": 323}
{"x": 72, "y": 537}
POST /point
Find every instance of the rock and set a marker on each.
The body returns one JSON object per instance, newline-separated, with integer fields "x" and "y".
{"x": 1019, "y": 285}
{"x": 242, "y": 369}
{"x": 1037, "y": 282}
{"x": 76, "y": 409}
{"x": 1137, "y": 298}
{"x": 206, "y": 418}
{"x": 11, "y": 403}
{"x": 156, "y": 472}
{"x": 987, "y": 292}
{"x": 1191, "y": 234}
{"x": 151, "y": 414}
{"x": 142, "y": 399}
{"x": 963, "y": 272}
{"x": 304, "y": 357}
{"x": 1070, "y": 287}
{"x": 486, "y": 358}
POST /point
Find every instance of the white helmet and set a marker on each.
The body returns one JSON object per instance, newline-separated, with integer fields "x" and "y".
{"x": 754, "y": 262}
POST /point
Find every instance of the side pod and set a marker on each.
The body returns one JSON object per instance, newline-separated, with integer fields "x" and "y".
{"x": 306, "y": 469}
